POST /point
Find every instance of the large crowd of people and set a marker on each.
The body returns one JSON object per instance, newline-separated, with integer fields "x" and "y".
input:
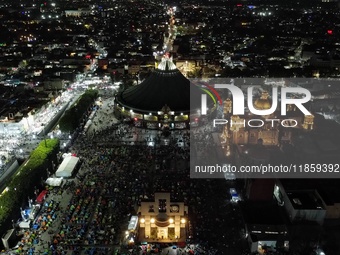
{"x": 114, "y": 176}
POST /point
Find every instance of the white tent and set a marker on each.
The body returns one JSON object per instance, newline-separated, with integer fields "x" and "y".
{"x": 55, "y": 182}
{"x": 67, "y": 166}
{"x": 9, "y": 235}
{"x": 25, "y": 224}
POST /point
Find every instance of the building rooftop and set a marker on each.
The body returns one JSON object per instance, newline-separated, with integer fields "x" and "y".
{"x": 166, "y": 86}
{"x": 327, "y": 188}
{"x": 261, "y": 213}
{"x": 305, "y": 200}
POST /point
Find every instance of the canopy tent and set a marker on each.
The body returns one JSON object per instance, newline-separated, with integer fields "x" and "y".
{"x": 7, "y": 239}
{"x": 41, "y": 197}
{"x": 55, "y": 182}
{"x": 25, "y": 224}
{"x": 67, "y": 167}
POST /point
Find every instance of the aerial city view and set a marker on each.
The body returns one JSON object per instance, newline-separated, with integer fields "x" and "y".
{"x": 170, "y": 127}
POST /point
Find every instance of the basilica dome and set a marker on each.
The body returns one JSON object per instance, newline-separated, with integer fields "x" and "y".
{"x": 166, "y": 86}
{"x": 161, "y": 100}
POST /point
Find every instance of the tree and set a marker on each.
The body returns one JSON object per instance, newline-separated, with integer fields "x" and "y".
{"x": 73, "y": 116}
{"x": 27, "y": 175}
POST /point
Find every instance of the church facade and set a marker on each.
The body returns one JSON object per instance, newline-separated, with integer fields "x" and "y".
{"x": 162, "y": 220}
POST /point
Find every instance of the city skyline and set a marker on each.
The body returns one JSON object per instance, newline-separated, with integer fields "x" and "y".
{"x": 112, "y": 83}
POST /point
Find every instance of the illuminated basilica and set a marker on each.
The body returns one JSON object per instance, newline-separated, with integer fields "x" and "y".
{"x": 161, "y": 101}
{"x": 269, "y": 132}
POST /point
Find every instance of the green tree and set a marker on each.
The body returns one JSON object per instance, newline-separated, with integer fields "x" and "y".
{"x": 19, "y": 185}
{"x": 73, "y": 116}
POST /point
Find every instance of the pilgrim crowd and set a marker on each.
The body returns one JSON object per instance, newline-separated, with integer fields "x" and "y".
{"x": 115, "y": 175}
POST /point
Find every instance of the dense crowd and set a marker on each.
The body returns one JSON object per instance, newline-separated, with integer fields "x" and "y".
{"x": 117, "y": 172}
{"x": 127, "y": 174}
